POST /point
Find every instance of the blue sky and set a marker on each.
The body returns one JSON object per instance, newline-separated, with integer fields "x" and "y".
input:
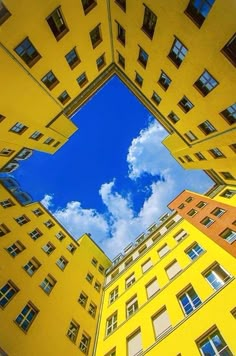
{"x": 113, "y": 178}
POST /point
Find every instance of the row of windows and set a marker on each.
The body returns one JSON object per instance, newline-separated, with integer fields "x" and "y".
{"x": 172, "y": 269}
{"x": 89, "y": 277}
{"x": 72, "y": 334}
{"x": 95, "y": 263}
{"x": 211, "y": 344}
{"x": 188, "y": 299}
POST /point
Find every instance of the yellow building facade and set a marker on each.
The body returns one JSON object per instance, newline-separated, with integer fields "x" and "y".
{"x": 174, "y": 59}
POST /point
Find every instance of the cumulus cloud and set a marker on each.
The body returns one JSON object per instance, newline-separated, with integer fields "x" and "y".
{"x": 47, "y": 201}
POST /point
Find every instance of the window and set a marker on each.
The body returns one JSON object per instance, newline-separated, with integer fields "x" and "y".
{"x": 82, "y": 80}
{"x": 185, "y": 104}
{"x": 207, "y": 127}
{"x": 143, "y": 57}
{"x": 177, "y": 53}
{"x": 101, "y": 269}
{"x": 60, "y": 236}
{"x": 156, "y": 98}
{"x": 180, "y": 235}
{"x": 181, "y": 206}
{"x": 207, "y": 221}
{"x": 27, "y": 316}
{"x": 3, "y": 230}
{"x": 84, "y": 343}
{"x": 138, "y": 79}
{"x": 6, "y": 203}
{"x": 49, "y": 224}
{"x": 4, "y": 13}
{"x": 190, "y": 136}
{"x": 163, "y": 250}
{"x": 57, "y": 24}
{"x": 164, "y": 81}
{"x": 36, "y": 135}
{"x": 32, "y": 266}
{"x": 146, "y": 265}
{"x": 206, "y": 83}
{"x": 111, "y": 324}
{"x": 6, "y": 152}
{"x": 92, "y": 309}
{"x": 173, "y": 269}
{"x": 120, "y": 33}
{"x": 35, "y": 234}
{"x": 56, "y": 144}
{"x": 201, "y": 204}
{"x": 64, "y": 97}
{"x": 7, "y": 292}
{"x": 192, "y": 212}
{"x": 122, "y": 4}
{"x": 228, "y": 235}
{"x": 27, "y": 52}
{"x": 15, "y": 248}
{"x": 227, "y": 175}
{"x": 217, "y": 276}
{"x": 130, "y": 280}
{"x": 152, "y": 288}
{"x": 94, "y": 262}
{"x": 229, "y": 114}
{"x": 189, "y": 199}
{"x": 49, "y": 141}
{"x": 129, "y": 261}
{"x": 121, "y": 60}
{"x": 72, "y": 331}
{"x": 38, "y": 212}
{"x": 173, "y": 117}
{"x": 149, "y": 22}
{"x": 233, "y": 147}
{"x": 95, "y": 36}
{"x": 18, "y": 128}
{"x": 214, "y": 345}
{"x": 88, "y": 5}
{"x": 97, "y": 286}
{"x": 200, "y": 156}
{"x": 189, "y": 300}
{"x": 89, "y": 277}
{"x": 199, "y": 10}
{"x": 218, "y": 212}
{"x": 188, "y": 158}
{"x": 113, "y": 295}
{"x": 131, "y": 306}
{"x": 21, "y": 220}
{"x": 1, "y": 116}
{"x": 112, "y": 352}
{"x": 194, "y": 251}
{"x": 216, "y": 153}
{"x": 101, "y": 62}
{"x": 72, "y": 58}
{"x": 142, "y": 249}
{"x": 71, "y": 248}
{"x": 48, "y": 283}
{"x": 115, "y": 273}
{"x": 50, "y": 80}
{"x": 62, "y": 263}
{"x": 228, "y": 193}
{"x": 48, "y": 248}
{"x": 83, "y": 299}
{"x": 229, "y": 50}
{"x": 161, "y": 322}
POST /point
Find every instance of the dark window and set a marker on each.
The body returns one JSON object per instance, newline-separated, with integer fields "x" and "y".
{"x": 101, "y": 62}
{"x": 156, "y": 98}
{"x": 207, "y": 127}
{"x": 178, "y": 52}
{"x": 88, "y": 5}
{"x": 216, "y": 153}
{"x": 230, "y": 114}
{"x": 227, "y": 175}
{"x": 2, "y": 118}
{"x": 18, "y": 128}
{"x": 149, "y": 22}
{"x": 121, "y": 60}
{"x": 181, "y": 160}
{"x": 95, "y": 36}
{"x": 4, "y": 13}
{"x": 64, "y": 97}
{"x": 174, "y": 118}
{"x": 120, "y": 33}
{"x": 122, "y": 4}
{"x": 214, "y": 344}
{"x": 188, "y": 158}
{"x": 143, "y": 57}
{"x": 27, "y": 316}
{"x": 27, "y": 52}
{"x": 57, "y": 24}
{"x": 200, "y": 156}
{"x": 49, "y": 141}
{"x": 229, "y": 50}
{"x": 50, "y": 80}
{"x": 185, "y": 104}
{"x": 36, "y": 135}
{"x": 198, "y": 10}
{"x": 82, "y": 80}
{"x": 164, "y": 80}
{"x": 233, "y": 147}
{"x": 138, "y": 79}
{"x": 72, "y": 58}
{"x": 7, "y": 292}
{"x": 206, "y": 83}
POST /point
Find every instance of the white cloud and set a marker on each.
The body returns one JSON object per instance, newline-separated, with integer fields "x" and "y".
{"x": 47, "y": 201}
